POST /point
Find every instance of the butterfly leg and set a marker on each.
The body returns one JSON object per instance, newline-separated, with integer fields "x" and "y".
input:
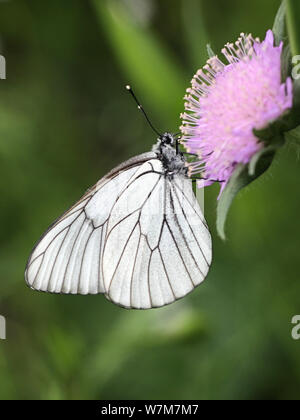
{"x": 206, "y": 179}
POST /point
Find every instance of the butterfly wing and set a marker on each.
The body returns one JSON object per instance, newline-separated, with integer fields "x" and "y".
{"x": 158, "y": 246}
{"x": 137, "y": 236}
{"x": 67, "y": 258}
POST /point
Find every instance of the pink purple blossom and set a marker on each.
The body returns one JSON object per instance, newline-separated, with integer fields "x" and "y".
{"x": 227, "y": 101}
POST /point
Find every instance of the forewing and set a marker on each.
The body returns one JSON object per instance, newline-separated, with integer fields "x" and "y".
{"x": 67, "y": 259}
{"x": 158, "y": 247}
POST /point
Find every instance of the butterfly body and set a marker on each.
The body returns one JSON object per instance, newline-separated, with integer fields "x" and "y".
{"x": 172, "y": 159}
{"x": 138, "y": 236}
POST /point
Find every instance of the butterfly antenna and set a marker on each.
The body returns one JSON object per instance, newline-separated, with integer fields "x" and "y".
{"x": 140, "y": 107}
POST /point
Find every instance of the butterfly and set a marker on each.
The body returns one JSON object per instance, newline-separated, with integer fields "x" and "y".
{"x": 138, "y": 236}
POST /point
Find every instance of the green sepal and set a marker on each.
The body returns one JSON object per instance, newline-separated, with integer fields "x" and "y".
{"x": 279, "y": 27}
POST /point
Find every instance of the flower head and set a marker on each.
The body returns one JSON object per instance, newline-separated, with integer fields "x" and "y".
{"x": 228, "y": 101}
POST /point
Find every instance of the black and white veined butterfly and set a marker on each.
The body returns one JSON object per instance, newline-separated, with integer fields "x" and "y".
{"x": 138, "y": 236}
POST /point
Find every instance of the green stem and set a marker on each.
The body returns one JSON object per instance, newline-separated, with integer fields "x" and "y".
{"x": 293, "y": 18}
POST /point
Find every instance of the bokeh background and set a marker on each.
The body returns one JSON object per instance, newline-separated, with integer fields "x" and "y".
{"x": 65, "y": 120}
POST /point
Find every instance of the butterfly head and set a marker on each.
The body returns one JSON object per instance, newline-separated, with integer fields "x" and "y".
{"x": 168, "y": 152}
{"x": 167, "y": 139}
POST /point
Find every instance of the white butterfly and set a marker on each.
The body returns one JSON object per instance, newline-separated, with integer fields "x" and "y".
{"x": 138, "y": 236}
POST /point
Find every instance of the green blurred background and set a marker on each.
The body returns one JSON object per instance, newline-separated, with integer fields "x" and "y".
{"x": 65, "y": 120}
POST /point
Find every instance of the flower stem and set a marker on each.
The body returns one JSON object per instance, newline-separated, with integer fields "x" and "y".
{"x": 293, "y": 17}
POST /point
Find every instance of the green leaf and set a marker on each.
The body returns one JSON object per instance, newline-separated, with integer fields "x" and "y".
{"x": 280, "y": 35}
{"x": 147, "y": 64}
{"x": 286, "y": 62}
{"x": 293, "y": 27}
{"x": 297, "y": 97}
{"x": 239, "y": 180}
{"x": 279, "y": 26}
{"x": 242, "y": 176}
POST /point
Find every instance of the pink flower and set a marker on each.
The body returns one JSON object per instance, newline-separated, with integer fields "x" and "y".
{"x": 227, "y": 101}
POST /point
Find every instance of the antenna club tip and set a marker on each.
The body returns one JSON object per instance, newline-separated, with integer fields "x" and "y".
{"x": 128, "y": 87}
